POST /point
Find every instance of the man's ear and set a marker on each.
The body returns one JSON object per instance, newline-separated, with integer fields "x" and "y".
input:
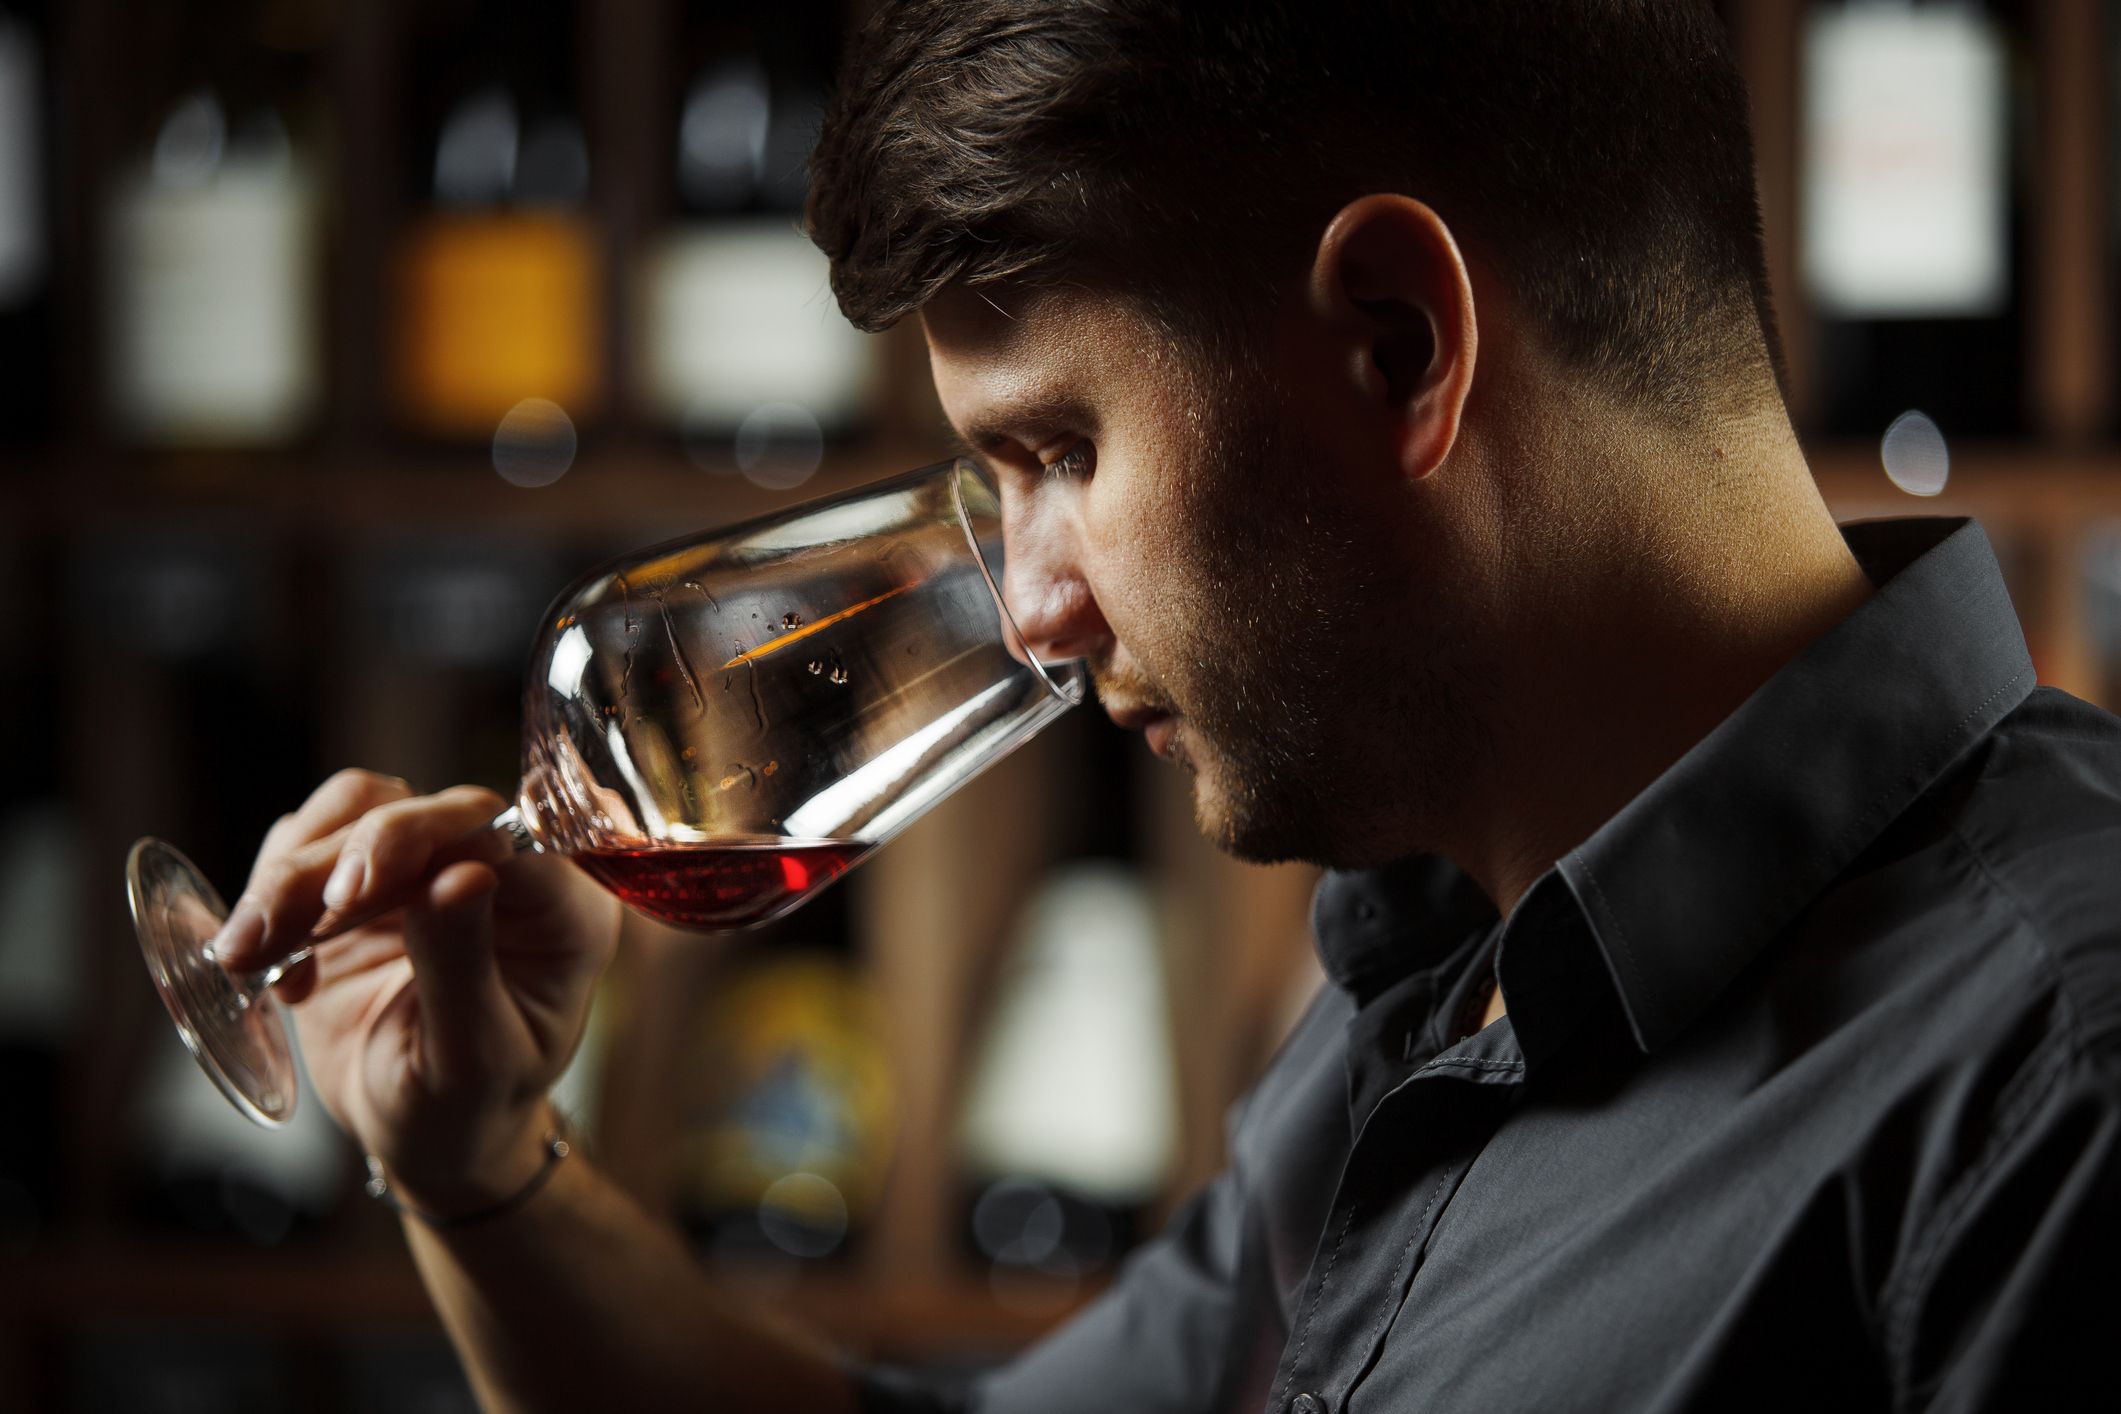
{"x": 1392, "y": 285}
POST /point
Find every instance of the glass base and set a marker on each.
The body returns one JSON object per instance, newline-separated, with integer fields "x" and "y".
{"x": 237, "y": 1034}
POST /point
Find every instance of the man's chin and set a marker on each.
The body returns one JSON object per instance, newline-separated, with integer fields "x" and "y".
{"x": 1244, "y": 827}
{"x": 1244, "y": 839}
{"x": 1266, "y": 826}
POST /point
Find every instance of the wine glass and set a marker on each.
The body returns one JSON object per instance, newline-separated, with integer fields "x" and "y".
{"x": 715, "y": 728}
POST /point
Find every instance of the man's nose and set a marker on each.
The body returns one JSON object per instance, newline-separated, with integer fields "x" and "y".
{"x": 1043, "y": 582}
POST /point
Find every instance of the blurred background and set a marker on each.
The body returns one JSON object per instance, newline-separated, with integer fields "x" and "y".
{"x": 337, "y": 335}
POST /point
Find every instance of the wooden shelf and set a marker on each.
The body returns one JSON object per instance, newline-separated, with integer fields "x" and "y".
{"x": 606, "y": 490}
{"x": 2039, "y": 507}
{"x": 2010, "y": 482}
{"x": 296, "y": 1292}
{"x": 2005, "y": 485}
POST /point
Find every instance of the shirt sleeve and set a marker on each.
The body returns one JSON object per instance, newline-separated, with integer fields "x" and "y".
{"x": 1154, "y": 1342}
{"x": 2014, "y": 1298}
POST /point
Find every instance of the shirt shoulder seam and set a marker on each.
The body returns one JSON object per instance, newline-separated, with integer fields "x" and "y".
{"x": 2037, "y": 1080}
{"x": 1904, "y": 1302}
{"x": 1647, "y": 989}
{"x": 2037, "y": 935}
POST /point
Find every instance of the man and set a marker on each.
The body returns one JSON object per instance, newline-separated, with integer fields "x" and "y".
{"x": 1384, "y": 406}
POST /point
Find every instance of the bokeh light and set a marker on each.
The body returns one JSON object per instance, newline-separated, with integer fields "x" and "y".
{"x": 188, "y": 148}
{"x": 1915, "y": 455}
{"x": 534, "y": 443}
{"x": 804, "y": 1215}
{"x": 1018, "y": 1222}
{"x": 779, "y": 445}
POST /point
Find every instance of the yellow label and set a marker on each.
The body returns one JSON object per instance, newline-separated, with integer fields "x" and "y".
{"x": 494, "y": 309}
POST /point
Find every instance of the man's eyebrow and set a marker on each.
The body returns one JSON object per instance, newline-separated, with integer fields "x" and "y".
{"x": 988, "y": 435}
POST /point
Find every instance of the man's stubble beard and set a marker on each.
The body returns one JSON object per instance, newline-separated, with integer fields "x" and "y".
{"x": 1328, "y": 726}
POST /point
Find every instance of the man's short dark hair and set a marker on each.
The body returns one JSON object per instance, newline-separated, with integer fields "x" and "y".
{"x": 1598, "y": 153}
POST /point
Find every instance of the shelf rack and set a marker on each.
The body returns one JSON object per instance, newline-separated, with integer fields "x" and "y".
{"x": 1236, "y": 948}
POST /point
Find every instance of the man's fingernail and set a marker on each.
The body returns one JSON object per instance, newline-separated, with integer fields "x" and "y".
{"x": 244, "y": 930}
{"x": 345, "y": 881}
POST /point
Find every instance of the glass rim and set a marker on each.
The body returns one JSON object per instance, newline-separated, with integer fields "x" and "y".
{"x": 1069, "y": 691}
{"x": 1066, "y": 686}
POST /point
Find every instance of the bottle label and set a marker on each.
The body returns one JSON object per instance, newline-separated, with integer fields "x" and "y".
{"x": 737, "y": 315}
{"x": 1905, "y": 177}
{"x": 213, "y": 307}
{"x": 494, "y": 309}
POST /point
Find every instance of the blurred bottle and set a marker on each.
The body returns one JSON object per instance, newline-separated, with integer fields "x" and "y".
{"x": 2100, "y": 584}
{"x": 1913, "y": 199}
{"x": 390, "y": 1367}
{"x": 579, "y": 1091}
{"x": 189, "y": 657}
{"x": 213, "y": 259}
{"x": 2023, "y": 560}
{"x": 442, "y": 620}
{"x": 2110, "y": 32}
{"x": 190, "y": 686}
{"x": 785, "y": 1109}
{"x": 26, "y": 282}
{"x": 44, "y": 952}
{"x": 1071, "y": 1117}
{"x": 184, "y": 1364}
{"x": 1070, "y": 1122}
{"x": 743, "y": 351}
{"x": 209, "y": 1170}
{"x": 498, "y": 279}
{"x": 43, "y": 943}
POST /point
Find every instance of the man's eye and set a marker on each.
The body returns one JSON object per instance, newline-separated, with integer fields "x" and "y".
{"x": 1075, "y": 462}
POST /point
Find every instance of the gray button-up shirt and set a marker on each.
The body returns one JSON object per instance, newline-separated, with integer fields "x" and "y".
{"x": 1808, "y": 1097}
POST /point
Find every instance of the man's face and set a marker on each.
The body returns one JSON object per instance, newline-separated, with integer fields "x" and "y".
{"x": 1218, "y": 546}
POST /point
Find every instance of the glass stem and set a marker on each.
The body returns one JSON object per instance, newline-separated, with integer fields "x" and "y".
{"x": 255, "y": 984}
{"x": 511, "y": 823}
{"x": 252, "y": 985}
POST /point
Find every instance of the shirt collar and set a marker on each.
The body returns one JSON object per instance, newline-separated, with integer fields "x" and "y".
{"x": 1692, "y": 878}
{"x": 1375, "y": 926}
{"x": 1682, "y": 888}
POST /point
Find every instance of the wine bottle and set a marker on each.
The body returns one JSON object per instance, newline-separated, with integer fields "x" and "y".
{"x": 44, "y": 981}
{"x": 26, "y": 283}
{"x": 443, "y": 617}
{"x": 1070, "y": 1121}
{"x": 742, "y": 350}
{"x": 1069, "y": 1129}
{"x": 209, "y": 1170}
{"x": 498, "y": 304}
{"x": 785, "y": 1118}
{"x": 2100, "y": 572}
{"x": 194, "y": 645}
{"x": 212, "y": 264}
{"x": 1912, "y": 228}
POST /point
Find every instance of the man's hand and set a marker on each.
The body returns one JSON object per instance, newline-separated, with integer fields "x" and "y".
{"x": 433, "y": 1029}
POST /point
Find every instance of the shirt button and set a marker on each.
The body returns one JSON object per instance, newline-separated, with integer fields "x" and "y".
{"x": 1307, "y": 1404}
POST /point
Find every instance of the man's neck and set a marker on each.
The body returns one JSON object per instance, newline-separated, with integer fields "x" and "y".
{"x": 1719, "y": 575}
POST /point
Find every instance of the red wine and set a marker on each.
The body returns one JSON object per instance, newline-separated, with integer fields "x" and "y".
{"x": 721, "y": 886}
